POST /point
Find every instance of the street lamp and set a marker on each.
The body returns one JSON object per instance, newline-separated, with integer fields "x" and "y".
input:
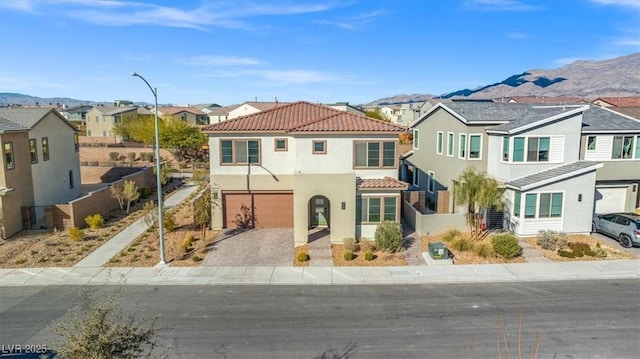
{"x": 154, "y": 91}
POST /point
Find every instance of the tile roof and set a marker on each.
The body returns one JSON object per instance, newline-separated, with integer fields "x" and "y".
{"x": 304, "y": 117}
{"x": 23, "y": 117}
{"x": 172, "y": 110}
{"x": 630, "y": 101}
{"x": 552, "y": 175}
{"x": 380, "y": 183}
{"x": 600, "y": 119}
{"x": 629, "y": 111}
{"x": 8, "y": 126}
{"x": 114, "y": 110}
{"x": 263, "y": 106}
{"x": 542, "y": 99}
{"x": 536, "y": 115}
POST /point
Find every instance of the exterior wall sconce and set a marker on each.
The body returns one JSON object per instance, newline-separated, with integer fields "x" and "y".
{"x": 215, "y": 194}
{"x": 344, "y": 205}
{"x": 580, "y": 197}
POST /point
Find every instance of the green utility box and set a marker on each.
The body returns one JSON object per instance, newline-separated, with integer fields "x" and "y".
{"x": 437, "y": 250}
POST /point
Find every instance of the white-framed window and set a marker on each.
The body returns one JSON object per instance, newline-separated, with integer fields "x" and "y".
{"x": 431, "y": 185}
{"x": 377, "y": 209}
{"x": 462, "y": 146}
{"x": 439, "y": 142}
{"x": 530, "y": 149}
{"x": 543, "y": 205}
{"x": 475, "y": 147}
{"x": 416, "y": 139}
{"x": 450, "y": 144}
{"x": 517, "y": 200}
{"x": 505, "y": 148}
{"x": 622, "y": 147}
{"x": 591, "y": 143}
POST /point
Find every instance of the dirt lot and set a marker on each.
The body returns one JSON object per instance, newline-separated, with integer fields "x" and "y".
{"x": 612, "y": 252}
{"x": 466, "y": 257}
{"x": 380, "y": 258}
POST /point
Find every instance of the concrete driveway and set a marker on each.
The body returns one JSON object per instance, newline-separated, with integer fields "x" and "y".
{"x": 254, "y": 247}
{"x": 634, "y": 251}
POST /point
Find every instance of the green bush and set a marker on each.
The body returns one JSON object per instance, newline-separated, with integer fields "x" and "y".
{"x": 94, "y": 221}
{"x": 550, "y": 240}
{"x": 147, "y": 156}
{"x": 368, "y": 256}
{"x": 169, "y": 222}
{"x": 185, "y": 245}
{"x": 144, "y": 192}
{"x": 113, "y": 156}
{"x": 389, "y": 236}
{"x": 349, "y": 244}
{"x": 579, "y": 250}
{"x": 347, "y": 255}
{"x": 196, "y": 259}
{"x": 76, "y": 234}
{"x": 506, "y": 245}
{"x": 451, "y": 234}
{"x": 302, "y": 257}
{"x": 131, "y": 156}
{"x": 484, "y": 249}
{"x": 461, "y": 244}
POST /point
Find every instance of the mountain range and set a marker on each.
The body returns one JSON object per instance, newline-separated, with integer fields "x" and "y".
{"x": 586, "y": 79}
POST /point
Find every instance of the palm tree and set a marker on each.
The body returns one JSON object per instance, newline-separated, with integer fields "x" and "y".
{"x": 479, "y": 192}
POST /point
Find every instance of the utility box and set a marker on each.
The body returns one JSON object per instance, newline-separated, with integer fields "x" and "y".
{"x": 437, "y": 250}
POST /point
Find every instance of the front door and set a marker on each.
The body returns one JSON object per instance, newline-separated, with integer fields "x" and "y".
{"x": 319, "y": 212}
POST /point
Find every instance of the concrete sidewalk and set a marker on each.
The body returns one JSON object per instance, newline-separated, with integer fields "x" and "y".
{"x": 164, "y": 275}
{"x": 109, "y": 249}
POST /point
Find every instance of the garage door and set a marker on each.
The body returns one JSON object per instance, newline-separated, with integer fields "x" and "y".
{"x": 265, "y": 210}
{"x": 611, "y": 199}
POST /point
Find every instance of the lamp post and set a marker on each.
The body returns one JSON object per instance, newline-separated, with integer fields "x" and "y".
{"x": 154, "y": 91}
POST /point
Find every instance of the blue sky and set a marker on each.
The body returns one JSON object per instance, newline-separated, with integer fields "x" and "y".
{"x": 233, "y": 51}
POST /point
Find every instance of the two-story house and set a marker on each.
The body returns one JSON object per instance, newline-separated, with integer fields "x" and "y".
{"x": 101, "y": 119}
{"x": 302, "y": 166}
{"x": 186, "y": 114}
{"x": 533, "y": 150}
{"x": 40, "y": 166}
{"x": 251, "y": 107}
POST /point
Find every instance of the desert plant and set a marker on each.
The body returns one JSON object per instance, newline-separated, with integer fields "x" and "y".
{"x": 151, "y": 217}
{"x": 578, "y": 250}
{"x": 389, "y": 236}
{"x": 302, "y": 257}
{"x": 506, "y": 245}
{"x": 484, "y": 249}
{"x": 131, "y": 156}
{"x": 113, "y": 156}
{"x": 550, "y": 240}
{"x": 461, "y": 244}
{"x": 349, "y": 244}
{"x": 451, "y": 234}
{"x": 202, "y": 212}
{"x": 76, "y": 234}
{"x": 94, "y": 221}
{"x": 144, "y": 192}
{"x": 196, "y": 259}
{"x": 347, "y": 255}
{"x": 479, "y": 192}
{"x": 200, "y": 176}
{"x": 368, "y": 256}
{"x": 185, "y": 245}
{"x": 366, "y": 245}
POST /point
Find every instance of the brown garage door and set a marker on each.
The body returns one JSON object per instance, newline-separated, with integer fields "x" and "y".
{"x": 271, "y": 210}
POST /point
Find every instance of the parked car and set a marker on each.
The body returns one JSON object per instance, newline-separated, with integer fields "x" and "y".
{"x": 625, "y": 227}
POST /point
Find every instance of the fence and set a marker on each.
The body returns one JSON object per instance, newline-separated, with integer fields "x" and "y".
{"x": 425, "y": 224}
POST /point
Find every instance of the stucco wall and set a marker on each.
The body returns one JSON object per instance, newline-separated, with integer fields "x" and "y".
{"x": 429, "y": 224}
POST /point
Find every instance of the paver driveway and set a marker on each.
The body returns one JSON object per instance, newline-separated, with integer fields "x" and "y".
{"x": 254, "y": 247}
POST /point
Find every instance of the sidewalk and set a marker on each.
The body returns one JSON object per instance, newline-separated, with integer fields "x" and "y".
{"x": 120, "y": 241}
{"x": 246, "y": 275}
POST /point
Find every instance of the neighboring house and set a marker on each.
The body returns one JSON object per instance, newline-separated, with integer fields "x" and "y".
{"x": 101, "y": 119}
{"x": 533, "y": 150}
{"x": 76, "y": 113}
{"x": 539, "y": 100}
{"x": 249, "y": 108}
{"x": 305, "y": 166}
{"x": 629, "y": 101}
{"x": 392, "y": 112}
{"x": 40, "y": 166}
{"x": 217, "y": 114}
{"x": 409, "y": 112}
{"x": 344, "y": 106}
{"x": 186, "y": 114}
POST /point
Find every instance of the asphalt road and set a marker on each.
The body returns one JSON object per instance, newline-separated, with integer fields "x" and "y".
{"x": 588, "y": 319}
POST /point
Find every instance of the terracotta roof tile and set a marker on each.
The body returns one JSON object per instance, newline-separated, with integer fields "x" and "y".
{"x": 304, "y": 117}
{"x": 380, "y": 183}
{"x": 630, "y": 101}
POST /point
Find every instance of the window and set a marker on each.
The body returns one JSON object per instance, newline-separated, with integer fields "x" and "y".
{"x": 518, "y": 149}
{"x": 439, "y": 143}
{"x": 550, "y": 205}
{"x": 516, "y": 203}
{"x": 70, "y": 179}
{"x": 622, "y": 147}
{"x": 591, "y": 143}
{"x": 530, "y": 205}
{"x": 475, "y": 146}
{"x": 638, "y": 147}
{"x": 238, "y": 152}
{"x": 8, "y": 156}
{"x": 319, "y": 147}
{"x": 450, "y": 144}
{"x": 89, "y": 133}
{"x": 416, "y": 176}
{"x": 45, "y": 148}
{"x": 430, "y": 181}
{"x": 416, "y": 139}
{"x": 463, "y": 146}
{"x": 76, "y": 142}
{"x": 505, "y": 149}
{"x": 370, "y": 154}
{"x": 33, "y": 150}
{"x": 96, "y": 118}
{"x": 280, "y": 144}
{"x": 376, "y": 209}
{"x": 538, "y": 149}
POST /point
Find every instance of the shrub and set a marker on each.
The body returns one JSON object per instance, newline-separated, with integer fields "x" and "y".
{"x": 347, "y": 255}
{"x": 349, "y": 244}
{"x": 550, "y": 240}
{"x": 302, "y": 257}
{"x": 366, "y": 245}
{"x": 368, "y": 256}
{"x": 451, "y": 234}
{"x": 144, "y": 192}
{"x": 389, "y": 236}
{"x": 185, "y": 245}
{"x": 76, "y": 234}
{"x": 94, "y": 221}
{"x": 169, "y": 222}
{"x": 113, "y": 156}
{"x": 580, "y": 249}
{"x": 506, "y": 245}
{"x": 599, "y": 252}
{"x": 131, "y": 156}
{"x": 461, "y": 244}
{"x": 196, "y": 259}
{"x": 147, "y": 156}
{"x": 484, "y": 249}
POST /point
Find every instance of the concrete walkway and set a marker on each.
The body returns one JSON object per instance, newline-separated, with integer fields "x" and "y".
{"x": 320, "y": 254}
{"x": 121, "y": 240}
{"x": 270, "y": 275}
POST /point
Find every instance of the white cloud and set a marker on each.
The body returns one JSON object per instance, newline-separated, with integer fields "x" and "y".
{"x": 623, "y": 3}
{"x": 217, "y": 60}
{"x": 500, "y": 5}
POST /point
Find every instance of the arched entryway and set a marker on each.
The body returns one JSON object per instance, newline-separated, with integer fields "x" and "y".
{"x": 319, "y": 212}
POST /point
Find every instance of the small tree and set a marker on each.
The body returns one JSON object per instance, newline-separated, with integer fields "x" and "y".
{"x": 130, "y": 193}
{"x": 377, "y": 114}
{"x": 202, "y": 212}
{"x": 479, "y": 192}
{"x": 151, "y": 217}
{"x": 117, "y": 192}
{"x": 389, "y": 236}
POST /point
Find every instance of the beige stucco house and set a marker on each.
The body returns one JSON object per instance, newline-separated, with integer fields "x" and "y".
{"x": 101, "y": 119}
{"x": 305, "y": 166}
{"x": 186, "y": 114}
